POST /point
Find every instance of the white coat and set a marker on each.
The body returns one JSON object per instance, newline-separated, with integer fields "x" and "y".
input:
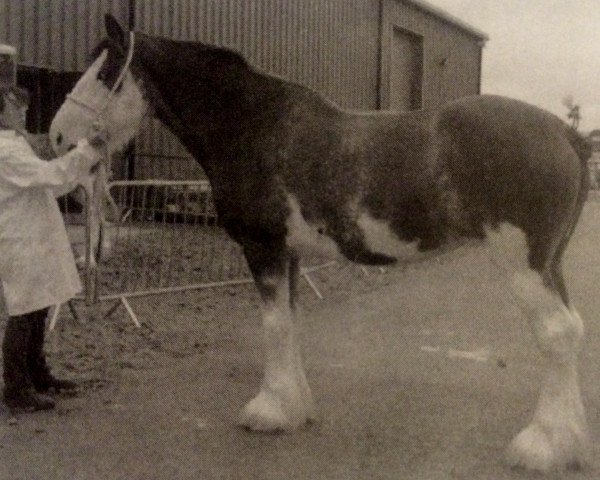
{"x": 37, "y": 268}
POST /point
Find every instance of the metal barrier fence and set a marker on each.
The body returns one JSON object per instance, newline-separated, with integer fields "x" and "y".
{"x": 167, "y": 240}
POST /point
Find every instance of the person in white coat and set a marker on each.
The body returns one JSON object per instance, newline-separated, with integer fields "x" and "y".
{"x": 37, "y": 267}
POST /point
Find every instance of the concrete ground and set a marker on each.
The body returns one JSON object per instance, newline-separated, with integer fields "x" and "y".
{"x": 427, "y": 375}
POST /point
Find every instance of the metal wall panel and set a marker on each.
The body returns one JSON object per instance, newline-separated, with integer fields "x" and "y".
{"x": 56, "y": 34}
{"x": 340, "y": 48}
{"x": 452, "y": 55}
{"x": 330, "y": 45}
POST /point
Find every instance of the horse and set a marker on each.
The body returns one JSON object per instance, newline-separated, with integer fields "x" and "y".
{"x": 292, "y": 173}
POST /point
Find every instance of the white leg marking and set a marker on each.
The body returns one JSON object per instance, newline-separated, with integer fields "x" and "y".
{"x": 557, "y": 436}
{"x": 285, "y": 400}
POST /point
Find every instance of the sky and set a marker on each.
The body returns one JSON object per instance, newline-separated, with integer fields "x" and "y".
{"x": 539, "y": 51}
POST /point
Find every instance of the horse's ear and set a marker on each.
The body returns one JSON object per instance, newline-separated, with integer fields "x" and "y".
{"x": 114, "y": 30}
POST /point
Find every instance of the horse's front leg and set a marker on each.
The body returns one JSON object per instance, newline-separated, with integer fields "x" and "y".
{"x": 284, "y": 401}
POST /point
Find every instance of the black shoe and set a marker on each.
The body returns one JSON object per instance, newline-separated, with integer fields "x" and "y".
{"x": 48, "y": 382}
{"x": 27, "y": 400}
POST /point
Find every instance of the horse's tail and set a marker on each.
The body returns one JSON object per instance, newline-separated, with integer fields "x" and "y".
{"x": 583, "y": 149}
{"x": 581, "y": 145}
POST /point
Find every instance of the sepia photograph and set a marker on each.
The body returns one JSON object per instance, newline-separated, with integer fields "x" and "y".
{"x": 299, "y": 239}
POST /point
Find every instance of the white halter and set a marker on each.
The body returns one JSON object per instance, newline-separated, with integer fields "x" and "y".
{"x": 99, "y": 111}
{"x": 99, "y": 189}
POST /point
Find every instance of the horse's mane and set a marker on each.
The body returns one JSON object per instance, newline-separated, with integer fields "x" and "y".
{"x": 227, "y": 68}
{"x": 162, "y": 108}
{"x": 223, "y": 56}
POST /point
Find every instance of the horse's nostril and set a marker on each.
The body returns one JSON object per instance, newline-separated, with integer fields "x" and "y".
{"x": 59, "y": 139}
{"x": 71, "y": 147}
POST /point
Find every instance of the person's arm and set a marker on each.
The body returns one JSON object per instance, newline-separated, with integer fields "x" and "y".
{"x": 98, "y": 141}
{"x": 61, "y": 190}
{"x": 40, "y": 144}
{"x": 21, "y": 168}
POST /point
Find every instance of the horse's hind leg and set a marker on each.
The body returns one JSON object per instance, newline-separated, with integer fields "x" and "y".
{"x": 284, "y": 401}
{"x": 556, "y": 437}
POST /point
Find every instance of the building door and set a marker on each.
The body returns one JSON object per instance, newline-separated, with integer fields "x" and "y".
{"x": 406, "y": 71}
{"x": 47, "y": 91}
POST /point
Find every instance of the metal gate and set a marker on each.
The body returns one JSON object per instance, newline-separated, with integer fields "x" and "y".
{"x": 168, "y": 239}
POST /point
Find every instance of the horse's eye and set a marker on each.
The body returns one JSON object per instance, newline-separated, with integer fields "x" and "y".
{"x": 59, "y": 139}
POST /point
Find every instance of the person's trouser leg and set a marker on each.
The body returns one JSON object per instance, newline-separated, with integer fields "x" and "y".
{"x": 39, "y": 370}
{"x": 19, "y": 391}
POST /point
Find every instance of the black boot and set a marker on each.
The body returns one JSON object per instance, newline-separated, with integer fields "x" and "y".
{"x": 39, "y": 371}
{"x": 19, "y": 392}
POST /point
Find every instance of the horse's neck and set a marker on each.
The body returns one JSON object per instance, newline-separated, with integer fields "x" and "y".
{"x": 235, "y": 102}
{"x": 197, "y": 125}
{"x": 167, "y": 115}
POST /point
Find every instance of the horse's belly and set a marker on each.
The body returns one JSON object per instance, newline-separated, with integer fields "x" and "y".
{"x": 310, "y": 238}
{"x": 507, "y": 244}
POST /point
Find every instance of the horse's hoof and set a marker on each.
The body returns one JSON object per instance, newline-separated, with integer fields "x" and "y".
{"x": 548, "y": 449}
{"x": 268, "y": 412}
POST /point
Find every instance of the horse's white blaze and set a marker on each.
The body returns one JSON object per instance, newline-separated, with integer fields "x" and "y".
{"x": 284, "y": 401}
{"x": 121, "y": 118}
{"x": 557, "y": 434}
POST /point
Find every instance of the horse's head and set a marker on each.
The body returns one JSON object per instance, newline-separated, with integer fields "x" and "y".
{"x": 107, "y": 95}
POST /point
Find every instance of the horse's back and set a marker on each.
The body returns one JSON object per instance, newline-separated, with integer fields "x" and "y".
{"x": 507, "y": 132}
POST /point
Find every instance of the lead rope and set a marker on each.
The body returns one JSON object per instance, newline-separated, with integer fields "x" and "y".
{"x": 100, "y": 192}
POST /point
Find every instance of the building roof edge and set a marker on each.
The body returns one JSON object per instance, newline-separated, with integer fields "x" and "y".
{"x": 447, "y": 17}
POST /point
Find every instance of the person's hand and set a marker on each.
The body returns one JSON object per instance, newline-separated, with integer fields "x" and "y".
{"x": 93, "y": 157}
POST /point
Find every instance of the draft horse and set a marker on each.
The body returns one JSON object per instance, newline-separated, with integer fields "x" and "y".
{"x": 292, "y": 173}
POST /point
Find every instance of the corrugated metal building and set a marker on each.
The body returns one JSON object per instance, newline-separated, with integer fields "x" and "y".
{"x": 362, "y": 54}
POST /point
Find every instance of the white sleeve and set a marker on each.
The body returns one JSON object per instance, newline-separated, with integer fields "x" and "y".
{"x": 21, "y": 168}
{"x": 59, "y": 191}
